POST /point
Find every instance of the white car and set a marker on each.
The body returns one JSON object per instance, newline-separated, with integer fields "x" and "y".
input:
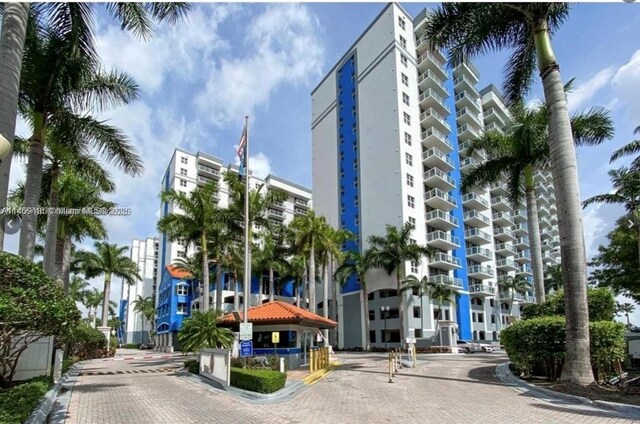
{"x": 468, "y": 346}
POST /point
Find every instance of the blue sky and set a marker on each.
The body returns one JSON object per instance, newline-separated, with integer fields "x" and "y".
{"x": 200, "y": 78}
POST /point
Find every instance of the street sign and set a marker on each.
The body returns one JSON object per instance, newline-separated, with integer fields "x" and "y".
{"x": 411, "y": 340}
{"x": 275, "y": 337}
{"x": 246, "y": 331}
{"x": 246, "y": 348}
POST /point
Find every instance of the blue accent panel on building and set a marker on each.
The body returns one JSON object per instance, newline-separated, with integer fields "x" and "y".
{"x": 168, "y": 319}
{"x": 463, "y": 303}
{"x": 122, "y": 315}
{"x": 288, "y": 288}
{"x": 165, "y": 211}
{"x": 348, "y": 144}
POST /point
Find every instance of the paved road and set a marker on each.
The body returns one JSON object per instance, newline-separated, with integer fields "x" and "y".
{"x": 448, "y": 389}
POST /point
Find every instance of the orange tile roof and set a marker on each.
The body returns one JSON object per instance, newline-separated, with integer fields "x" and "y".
{"x": 278, "y": 311}
{"x": 178, "y": 273}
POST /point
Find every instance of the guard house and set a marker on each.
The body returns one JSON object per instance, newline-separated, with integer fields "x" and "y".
{"x": 297, "y": 327}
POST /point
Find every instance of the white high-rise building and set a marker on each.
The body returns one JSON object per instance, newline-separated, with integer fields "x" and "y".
{"x": 391, "y": 123}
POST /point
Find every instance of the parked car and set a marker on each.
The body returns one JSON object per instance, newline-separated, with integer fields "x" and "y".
{"x": 467, "y": 346}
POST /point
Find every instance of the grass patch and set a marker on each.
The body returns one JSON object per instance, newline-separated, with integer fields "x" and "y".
{"x": 193, "y": 366}
{"x": 18, "y": 402}
{"x": 261, "y": 381}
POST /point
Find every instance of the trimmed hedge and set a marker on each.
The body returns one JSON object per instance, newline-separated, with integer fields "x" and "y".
{"x": 84, "y": 342}
{"x": 18, "y": 402}
{"x": 536, "y": 346}
{"x": 193, "y": 366}
{"x": 602, "y": 306}
{"x": 261, "y": 381}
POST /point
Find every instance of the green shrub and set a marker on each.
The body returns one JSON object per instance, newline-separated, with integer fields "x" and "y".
{"x": 85, "y": 342}
{"x": 131, "y": 346}
{"x": 602, "y": 306}
{"x": 17, "y": 403}
{"x": 536, "y": 346}
{"x": 193, "y": 366}
{"x": 68, "y": 362}
{"x": 261, "y": 381}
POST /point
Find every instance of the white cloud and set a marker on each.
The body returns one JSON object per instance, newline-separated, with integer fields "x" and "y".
{"x": 281, "y": 47}
{"x": 260, "y": 165}
{"x": 584, "y": 92}
{"x": 626, "y": 86}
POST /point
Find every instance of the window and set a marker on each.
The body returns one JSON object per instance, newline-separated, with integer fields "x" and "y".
{"x": 182, "y": 290}
{"x": 447, "y": 315}
{"x": 182, "y": 254}
{"x": 405, "y": 80}
{"x": 183, "y": 171}
{"x": 403, "y": 42}
{"x": 356, "y": 221}
{"x": 473, "y": 317}
{"x": 183, "y": 160}
{"x": 356, "y": 202}
{"x": 401, "y": 22}
{"x": 372, "y": 336}
{"x": 414, "y": 267}
{"x": 370, "y": 296}
{"x": 418, "y": 332}
{"x": 411, "y": 201}
{"x": 408, "y": 159}
{"x": 480, "y": 317}
{"x": 491, "y": 302}
{"x": 407, "y": 118}
{"x": 182, "y": 308}
{"x": 416, "y": 312}
{"x": 412, "y": 221}
{"x": 393, "y": 313}
{"x": 372, "y": 315}
{"x": 183, "y": 183}
{"x": 410, "y": 180}
{"x": 493, "y": 319}
{"x": 407, "y": 138}
{"x": 413, "y": 241}
{"x": 405, "y": 99}
{"x": 415, "y": 291}
{"x": 403, "y": 60}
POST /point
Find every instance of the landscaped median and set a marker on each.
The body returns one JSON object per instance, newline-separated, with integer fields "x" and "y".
{"x": 18, "y": 402}
{"x": 255, "y": 380}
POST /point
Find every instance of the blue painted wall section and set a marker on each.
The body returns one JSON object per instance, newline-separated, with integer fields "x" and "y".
{"x": 463, "y": 303}
{"x": 168, "y": 319}
{"x": 348, "y": 144}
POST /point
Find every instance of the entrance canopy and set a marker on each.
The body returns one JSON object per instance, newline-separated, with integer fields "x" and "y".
{"x": 278, "y": 312}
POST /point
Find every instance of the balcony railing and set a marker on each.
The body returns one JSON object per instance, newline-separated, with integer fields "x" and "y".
{"x": 474, "y": 232}
{"x": 438, "y": 214}
{"x": 441, "y": 235}
{"x": 480, "y": 269}
{"x": 473, "y": 196}
{"x": 443, "y": 257}
{"x": 476, "y": 250}
{"x": 481, "y": 288}
{"x": 433, "y": 152}
{"x": 435, "y": 172}
{"x": 431, "y": 93}
{"x": 432, "y": 132}
{"x": 432, "y": 113}
{"x": 476, "y": 215}
{"x": 446, "y": 280}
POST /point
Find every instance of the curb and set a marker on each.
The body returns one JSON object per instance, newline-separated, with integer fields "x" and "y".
{"x": 505, "y": 375}
{"x": 130, "y": 358}
{"x": 44, "y": 408}
{"x": 320, "y": 374}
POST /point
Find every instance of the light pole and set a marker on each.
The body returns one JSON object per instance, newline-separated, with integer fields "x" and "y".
{"x": 384, "y": 310}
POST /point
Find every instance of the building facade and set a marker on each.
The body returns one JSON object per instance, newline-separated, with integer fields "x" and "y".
{"x": 391, "y": 123}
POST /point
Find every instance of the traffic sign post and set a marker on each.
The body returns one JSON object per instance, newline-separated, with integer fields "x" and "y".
{"x": 246, "y": 331}
{"x": 246, "y": 348}
{"x": 275, "y": 339}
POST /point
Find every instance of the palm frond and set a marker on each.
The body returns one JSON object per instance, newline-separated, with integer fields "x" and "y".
{"x": 593, "y": 127}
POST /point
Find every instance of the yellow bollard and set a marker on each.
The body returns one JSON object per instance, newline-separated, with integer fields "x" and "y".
{"x": 390, "y": 367}
{"x": 312, "y": 361}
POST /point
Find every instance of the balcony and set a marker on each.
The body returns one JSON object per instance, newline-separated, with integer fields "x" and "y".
{"x": 521, "y": 230}
{"x": 501, "y": 203}
{"x": 524, "y": 270}
{"x": 528, "y": 298}
{"x": 520, "y": 216}
{"x": 438, "y": 179}
{"x": 276, "y": 214}
{"x": 492, "y": 126}
{"x": 430, "y": 99}
{"x": 548, "y": 257}
{"x": 463, "y": 83}
{"x": 543, "y": 211}
{"x": 508, "y": 296}
{"x": 442, "y": 240}
{"x": 301, "y": 202}
{"x": 506, "y": 249}
{"x": 464, "y": 147}
{"x": 468, "y": 164}
{"x": 209, "y": 171}
{"x": 466, "y": 116}
{"x": 441, "y": 220}
{"x": 444, "y": 261}
{"x": 507, "y": 265}
{"x": 467, "y": 68}
{"x": 477, "y": 236}
{"x": 473, "y": 200}
{"x": 446, "y": 280}
{"x": 522, "y": 242}
{"x": 429, "y": 61}
{"x": 480, "y": 272}
{"x": 544, "y": 224}
{"x": 431, "y": 118}
{"x": 434, "y": 158}
{"x": 479, "y": 254}
{"x": 278, "y": 205}
{"x": 482, "y": 290}
{"x": 204, "y": 180}
{"x": 467, "y": 132}
{"x": 434, "y": 138}
{"x": 299, "y": 211}
{"x": 492, "y": 115}
{"x": 503, "y": 234}
{"x": 523, "y": 257}
{"x": 503, "y": 218}
{"x": 546, "y": 245}
{"x": 438, "y": 199}
{"x": 476, "y": 219}
{"x": 429, "y": 80}
{"x": 467, "y": 99}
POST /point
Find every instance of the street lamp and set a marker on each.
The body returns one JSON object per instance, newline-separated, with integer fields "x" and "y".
{"x": 384, "y": 309}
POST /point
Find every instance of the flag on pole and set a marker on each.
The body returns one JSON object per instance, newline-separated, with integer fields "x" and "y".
{"x": 242, "y": 152}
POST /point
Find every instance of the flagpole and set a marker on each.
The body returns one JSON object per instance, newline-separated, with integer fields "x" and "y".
{"x": 247, "y": 230}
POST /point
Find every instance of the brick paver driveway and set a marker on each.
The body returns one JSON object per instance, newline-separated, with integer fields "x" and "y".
{"x": 448, "y": 389}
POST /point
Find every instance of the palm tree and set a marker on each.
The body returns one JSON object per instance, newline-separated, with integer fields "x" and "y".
{"x": 514, "y": 285}
{"x": 553, "y": 280}
{"x": 14, "y": 28}
{"x": 193, "y": 225}
{"x": 632, "y": 148}
{"x": 357, "y": 264}
{"x": 438, "y": 292}
{"x": 146, "y": 307}
{"x": 523, "y": 150}
{"x": 391, "y": 252}
{"x": 108, "y": 260}
{"x": 296, "y": 269}
{"x": 626, "y": 185}
{"x": 626, "y": 309}
{"x": 471, "y": 29}
{"x": 78, "y": 289}
{"x": 92, "y": 300}
{"x": 201, "y": 331}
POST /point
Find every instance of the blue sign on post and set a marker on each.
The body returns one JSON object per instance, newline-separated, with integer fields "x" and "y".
{"x": 246, "y": 348}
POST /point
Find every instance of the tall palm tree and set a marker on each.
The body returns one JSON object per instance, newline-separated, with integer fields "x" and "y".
{"x": 296, "y": 269}
{"x": 272, "y": 255}
{"x": 307, "y": 233}
{"x": 146, "y": 307}
{"x": 438, "y": 292}
{"x": 391, "y": 252}
{"x": 108, "y": 260}
{"x": 522, "y": 150}
{"x": 92, "y": 300}
{"x": 78, "y": 288}
{"x": 553, "y": 279}
{"x": 357, "y": 264}
{"x": 632, "y": 148}
{"x": 626, "y": 185}
{"x": 626, "y": 309}
{"x": 201, "y": 331}
{"x": 514, "y": 285}
{"x": 471, "y": 29}
{"x": 193, "y": 225}
{"x": 14, "y": 28}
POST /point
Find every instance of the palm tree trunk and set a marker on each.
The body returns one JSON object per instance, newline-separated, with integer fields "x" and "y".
{"x": 105, "y": 301}
{"x": 577, "y": 367}
{"x": 334, "y": 299}
{"x": 272, "y": 287}
{"x": 219, "y": 282}
{"x": 438, "y": 323}
{"x": 365, "y": 302}
{"x": 204, "y": 306}
{"x": 534, "y": 235}
{"x": 297, "y": 287}
{"x": 312, "y": 279}
{"x": 628, "y": 322}
{"x": 66, "y": 261}
{"x": 59, "y": 260}
{"x": 401, "y": 305}
{"x": 95, "y": 315}
{"x": 32, "y": 187}
{"x": 51, "y": 235}
{"x": 14, "y": 27}
{"x": 325, "y": 296}
{"x": 236, "y": 297}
